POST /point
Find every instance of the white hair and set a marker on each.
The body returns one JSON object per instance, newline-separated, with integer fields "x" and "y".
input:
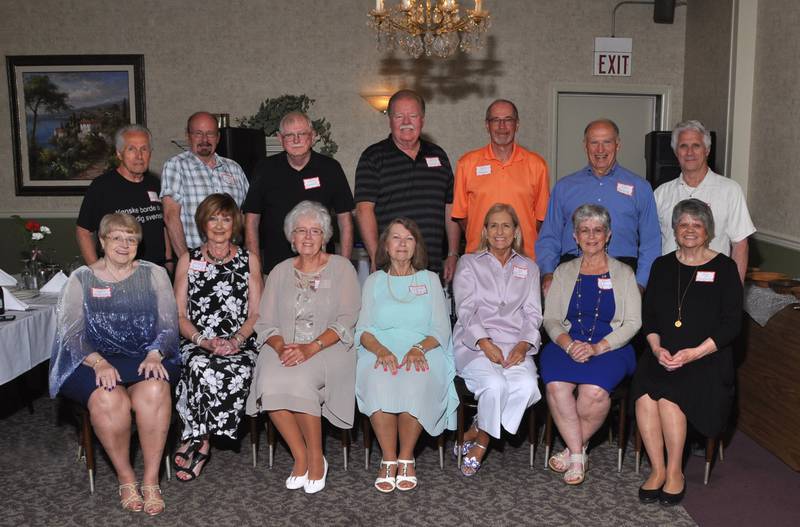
{"x": 309, "y": 209}
{"x": 691, "y": 124}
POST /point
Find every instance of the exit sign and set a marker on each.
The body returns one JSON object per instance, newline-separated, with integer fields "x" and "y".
{"x": 612, "y": 56}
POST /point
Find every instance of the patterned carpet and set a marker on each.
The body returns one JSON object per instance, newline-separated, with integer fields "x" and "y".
{"x": 45, "y": 485}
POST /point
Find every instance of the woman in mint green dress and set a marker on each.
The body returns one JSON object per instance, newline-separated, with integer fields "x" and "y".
{"x": 405, "y": 369}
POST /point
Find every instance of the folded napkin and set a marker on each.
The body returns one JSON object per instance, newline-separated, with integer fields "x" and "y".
{"x": 12, "y": 303}
{"x": 55, "y": 284}
{"x": 7, "y": 280}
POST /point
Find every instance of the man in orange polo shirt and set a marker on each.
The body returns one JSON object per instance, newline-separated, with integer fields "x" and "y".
{"x": 501, "y": 172}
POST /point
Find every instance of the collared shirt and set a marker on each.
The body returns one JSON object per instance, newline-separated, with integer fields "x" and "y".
{"x": 400, "y": 186}
{"x": 277, "y": 187}
{"x": 483, "y": 180}
{"x": 496, "y": 301}
{"x": 732, "y": 221}
{"x": 187, "y": 180}
{"x": 630, "y": 203}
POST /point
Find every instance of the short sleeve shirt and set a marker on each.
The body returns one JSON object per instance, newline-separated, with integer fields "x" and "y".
{"x": 417, "y": 189}
{"x": 111, "y": 192}
{"x": 277, "y": 188}
{"x": 732, "y": 221}
{"x": 187, "y": 180}
{"x": 483, "y": 180}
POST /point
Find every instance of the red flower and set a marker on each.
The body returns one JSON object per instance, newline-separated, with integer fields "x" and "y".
{"x": 32, "y": 226}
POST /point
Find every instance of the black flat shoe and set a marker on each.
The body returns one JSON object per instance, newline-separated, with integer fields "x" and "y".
{"x": 649, "y": 495}
{"x": 668, "y": 500}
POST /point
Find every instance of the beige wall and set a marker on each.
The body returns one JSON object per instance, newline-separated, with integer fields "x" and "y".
{"x": 228, "y": 56}
{"x": 774, "y": 185}
{"x": 707, "y": 68}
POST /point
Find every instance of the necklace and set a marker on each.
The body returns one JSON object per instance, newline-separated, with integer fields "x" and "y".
{"x": 218, "y": 261}
{"x": 410, "y": 296}
{"x": 681, "y": 297}
{"x": 590, "y": 334}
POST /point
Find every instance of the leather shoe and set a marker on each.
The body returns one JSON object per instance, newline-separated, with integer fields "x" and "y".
{"x": 668, "y": 500}
{"x": 313, "y": 486}
{"x": 296, "y": 482}
{"x": 649, "y": 495}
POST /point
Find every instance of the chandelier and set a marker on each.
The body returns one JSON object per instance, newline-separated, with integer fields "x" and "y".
{"x": 433, "y": 27}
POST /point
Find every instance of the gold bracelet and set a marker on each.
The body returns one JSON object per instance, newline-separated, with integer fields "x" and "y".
{"x": 98, "y": 361}
{"x": 320, "y": 344}
{"x": 419, "y": 347}
{"x": 239, "y": 338}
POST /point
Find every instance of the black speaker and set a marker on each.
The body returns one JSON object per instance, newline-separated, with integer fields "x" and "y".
{"x": 246, "y": 146}
{"x": 662, "y": 165}
{"x": 664, "y": 12}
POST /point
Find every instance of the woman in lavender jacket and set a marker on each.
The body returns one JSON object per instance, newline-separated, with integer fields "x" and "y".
{"x": 497, "y": 333}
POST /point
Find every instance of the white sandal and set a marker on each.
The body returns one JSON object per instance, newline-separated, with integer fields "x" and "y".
{"x": 404, "y": 477}
{"x": 387, "y": 478}
{"x": 575, "y": 476}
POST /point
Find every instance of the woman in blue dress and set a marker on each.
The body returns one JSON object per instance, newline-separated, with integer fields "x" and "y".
{"x": 116, "y": 351}
{"x": 592, "y": 310}
{"x": 405, "y": 368}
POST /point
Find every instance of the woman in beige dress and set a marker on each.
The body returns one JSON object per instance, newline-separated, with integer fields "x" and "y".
{"x": 306, "y": 369}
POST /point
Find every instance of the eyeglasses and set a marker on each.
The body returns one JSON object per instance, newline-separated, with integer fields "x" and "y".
{"x": 117, "y": 238}
{"x": 302, "y": 232}
{"x": 587, "y": 231}
{"x": 199, "y": 134}
{"x": 497, "y": 121}
{"x": 292, "y": 136}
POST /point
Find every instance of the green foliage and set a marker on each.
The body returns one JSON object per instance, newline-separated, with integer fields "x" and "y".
{"x": 271, "y": 111}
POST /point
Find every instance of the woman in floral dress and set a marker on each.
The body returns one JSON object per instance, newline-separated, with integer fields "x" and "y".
{"x": 215, "y": 286}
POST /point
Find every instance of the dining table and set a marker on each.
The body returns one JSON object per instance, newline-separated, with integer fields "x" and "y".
{"x": 27, "y": 341}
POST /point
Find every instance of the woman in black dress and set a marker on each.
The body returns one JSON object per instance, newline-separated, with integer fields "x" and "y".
{"x": 691, "y": 313}
{"x": 218, "y": 289}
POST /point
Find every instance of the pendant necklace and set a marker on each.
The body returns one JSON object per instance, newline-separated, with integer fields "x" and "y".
{"x": 219, "y": 261}
{"x": 590, "y": 334}
{"x": 681, "y": 297}
{"x": 410, "y": 295}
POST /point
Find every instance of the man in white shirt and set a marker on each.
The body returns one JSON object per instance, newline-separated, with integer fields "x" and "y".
{"x": 691, "y": 143}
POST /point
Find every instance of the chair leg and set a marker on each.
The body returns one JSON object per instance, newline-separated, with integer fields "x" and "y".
{"x": 254, "y": 438}
{"x": 167, "y": 467}
{"x": 711, "y": 445}
{"x": 623, "y": 416}
{"x": 366, "y": 430}
{"x": 440, "y": 443}
{"x": 637, "y": 447}
{"x": 548, "y": 438}
{"x": 721, "y": 450}
{"x": 272, "y": 440}
{"x": 532, "y": 433}
{"x": 345, "y": 446}
{"x": 88, "y": 447}
{"x": 459, "y": 432}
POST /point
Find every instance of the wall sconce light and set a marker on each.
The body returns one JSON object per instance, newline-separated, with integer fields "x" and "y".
{"x": 379, "y": 101}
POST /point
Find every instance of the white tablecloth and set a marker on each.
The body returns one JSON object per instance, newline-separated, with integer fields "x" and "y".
{"x": 27, "y": 341}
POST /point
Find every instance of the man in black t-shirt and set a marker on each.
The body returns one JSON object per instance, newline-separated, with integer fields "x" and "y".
{"x": 282, "y": 181}
{"x": 128, "y": 188}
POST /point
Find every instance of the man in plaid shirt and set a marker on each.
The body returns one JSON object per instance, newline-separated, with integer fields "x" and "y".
{"x": 189, "y": 177}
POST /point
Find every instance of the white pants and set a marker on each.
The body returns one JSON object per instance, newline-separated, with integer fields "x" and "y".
{"x": 503, "y": 394}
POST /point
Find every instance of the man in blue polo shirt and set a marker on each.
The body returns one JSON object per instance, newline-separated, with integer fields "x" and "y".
{"x": 635, "y": 234}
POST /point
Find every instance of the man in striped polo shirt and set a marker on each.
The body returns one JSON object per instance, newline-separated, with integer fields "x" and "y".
{"x": 404, "y": 175}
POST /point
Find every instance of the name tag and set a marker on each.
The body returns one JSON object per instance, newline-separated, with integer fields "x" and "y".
{"x": 705, "y": 276}
{"x": 322, "y": 284}
{"x": 227, "y": 177}
{"x": 197, "y": 265}
{"x": 483, "y": 170}
{"x": 101, "y": 292}
{"x": 622, "y": 188}
{"x": 604, "y": 283}
{"x": 519, "y": 272}
{"x": 433, "y": 162}
{"x": 418, "y": 290}
{"x": 312, "y": 182}
{"x": 153, "y": 196}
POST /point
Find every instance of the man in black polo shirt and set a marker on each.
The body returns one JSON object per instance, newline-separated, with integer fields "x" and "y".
{"x": 282, "y": 181}
{"x": 406, "y": 176}
{"x": 129, "y": 188}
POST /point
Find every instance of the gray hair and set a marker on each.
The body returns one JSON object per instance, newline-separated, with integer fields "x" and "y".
{"x": 589, "y": 211}
{"x": 698, "y": 210}
{"x": 313, "y": 210}
{"x": 406, "y": 94}
{"x": 603, "y": 120}
{"x": 119, "y": 137}
{"x": 684, "y": 126}
{"x": 292, "y": 117}
{"x": 498, "y": 101}
{"x": 119, "y": 221}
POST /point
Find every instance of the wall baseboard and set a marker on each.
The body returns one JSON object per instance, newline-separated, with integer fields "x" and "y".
{"x": 781, "y": 240}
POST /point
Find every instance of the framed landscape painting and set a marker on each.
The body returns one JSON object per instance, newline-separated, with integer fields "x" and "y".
{"x": 64, "y": 112}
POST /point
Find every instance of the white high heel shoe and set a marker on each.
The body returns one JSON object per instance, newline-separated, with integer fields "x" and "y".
{"x": 312, "y": 486}
{"x": 296, "y": 482}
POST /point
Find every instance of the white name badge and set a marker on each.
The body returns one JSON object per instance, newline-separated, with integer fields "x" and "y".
{"x": 418, "y": 290}
{"x": 312, "y": 182}
{"x": 433, "y": 162}
{"x": 227, "y": 177}
{"x": 197, "y": 265}
{"x": 604, "y": 283}
{"x": 622, "y": 188}
{"x": 323, "y": 284}
{"x": 101, "y": 292}
{"x": 705, "y": 276}
{"x": 153, "y": 196}
{"x": 483, "y": 170}
{"x": 519, "y": 272}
